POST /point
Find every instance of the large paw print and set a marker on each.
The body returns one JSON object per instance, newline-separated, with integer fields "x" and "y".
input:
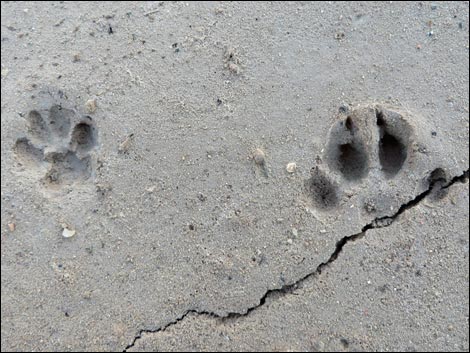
{"x": 375, "y": 157}
{"x": 57, "y": 146}
{"x": 355, "y": 143}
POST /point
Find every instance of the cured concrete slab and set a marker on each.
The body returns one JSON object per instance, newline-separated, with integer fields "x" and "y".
{"x": 145, "y": 148}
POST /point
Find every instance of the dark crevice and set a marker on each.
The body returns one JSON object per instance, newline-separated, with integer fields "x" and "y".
{"x": 457, "y": 179}
{"x": 349, "y": 124}
{"x": 289, "y": 288}
{"x": 163, "y": 328}
{"x": 380, "y": 118}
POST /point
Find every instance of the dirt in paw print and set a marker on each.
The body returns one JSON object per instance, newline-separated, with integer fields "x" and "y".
{"x": 56, "y": 147}
{"x": 376, "y": 158}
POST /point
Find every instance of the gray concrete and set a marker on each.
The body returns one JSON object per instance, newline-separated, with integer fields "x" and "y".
{"x": 400, "y": 288}
{"x": 134, "y": 127}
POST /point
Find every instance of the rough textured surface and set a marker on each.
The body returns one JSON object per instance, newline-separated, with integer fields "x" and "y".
{"x": 136, "y": 125}
{"x": 406, "y": 281}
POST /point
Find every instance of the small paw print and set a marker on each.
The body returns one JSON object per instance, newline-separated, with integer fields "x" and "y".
{"x": 57, "y": 146}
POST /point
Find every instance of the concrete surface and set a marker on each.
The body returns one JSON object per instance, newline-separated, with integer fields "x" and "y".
{"x": 145, "y": 198}
{"x": 400, "y": 288}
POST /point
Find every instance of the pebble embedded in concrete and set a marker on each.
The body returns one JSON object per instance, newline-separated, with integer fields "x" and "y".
{"x": 259, "y": 157}
{"x": 91, "y": 105}
{"x": 291, "y": 167}
{"x": 68, "y": 231}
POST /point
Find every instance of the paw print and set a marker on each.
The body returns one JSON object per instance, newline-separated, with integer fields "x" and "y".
{"x": 57, "y": 146}
{"x": 374, "y": 158}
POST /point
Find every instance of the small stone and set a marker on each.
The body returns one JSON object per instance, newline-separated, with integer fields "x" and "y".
{"x": 294, "y": 232}
{"x": 259, "y": 156}
{"x": 76, "y": 58}
{"x": 68, "y": 232}
{"x": 126, "y": 144}
{"x": 289, "y": 241}
{"x": 11, "y": 226}
{"x": 91, "y": 105}
{"x": 291, "y": 167}
{"x": 234, "y": 68}
{"x": 4, "y": 72}
{"x": 231, "y": 56}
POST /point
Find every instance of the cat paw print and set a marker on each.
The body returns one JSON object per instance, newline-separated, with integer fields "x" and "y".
{"x": 56, "y": 148}
{"x": 376, "y": 158}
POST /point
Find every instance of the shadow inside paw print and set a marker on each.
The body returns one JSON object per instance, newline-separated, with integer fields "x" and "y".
{"x": 394, "y": 134}
{"x": 346, "y": 151}
{"x": 54, "y": 150}
{"x": 323, "y": 191}
{"x": 436, "y": 181}
{"x": 374, "y": 152}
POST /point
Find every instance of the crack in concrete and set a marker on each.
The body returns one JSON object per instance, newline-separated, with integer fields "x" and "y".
{"x": 380, "y": 222}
